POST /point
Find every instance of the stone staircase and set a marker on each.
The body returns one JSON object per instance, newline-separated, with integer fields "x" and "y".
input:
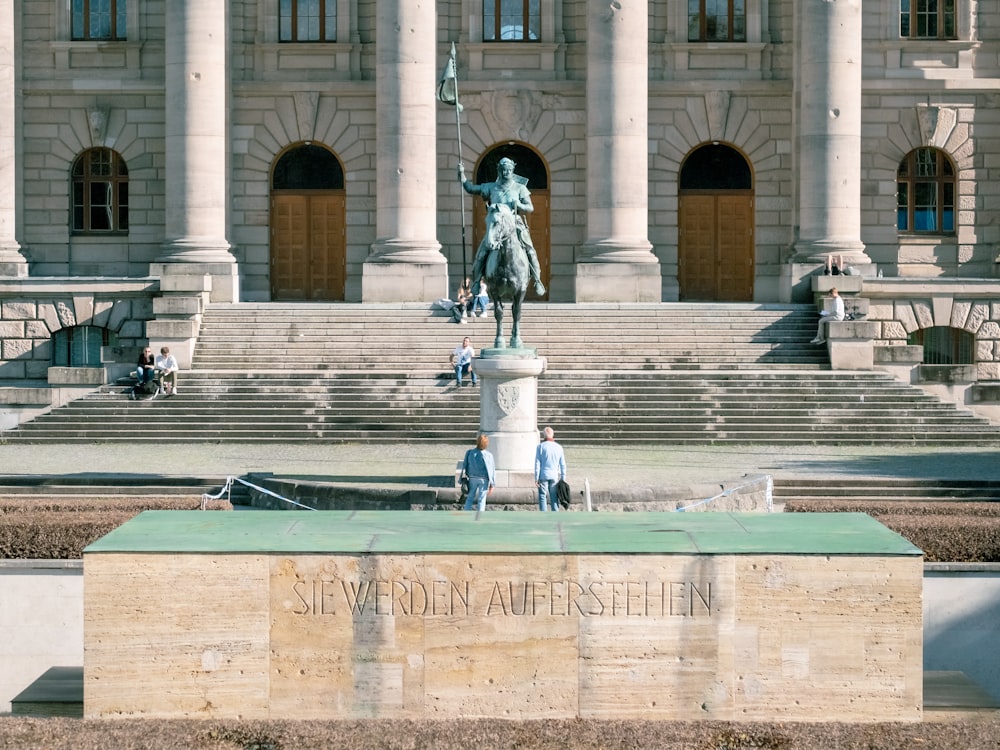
{"x": 669, "y": 373}
{"x": 881, "y": 491}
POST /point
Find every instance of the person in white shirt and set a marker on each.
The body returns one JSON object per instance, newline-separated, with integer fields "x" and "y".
{"x": 461, "y": 360}
{"x": 166, "y": 364}
{"x": 828, "y": 316}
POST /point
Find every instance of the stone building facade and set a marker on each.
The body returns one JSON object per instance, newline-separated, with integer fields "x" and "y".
{"x": 162, "y": 154}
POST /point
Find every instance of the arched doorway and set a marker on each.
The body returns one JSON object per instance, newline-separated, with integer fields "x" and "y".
{"x": 530, "y": 166}
{"x": 308, "y": 241}
{"x": 715, "y": 253}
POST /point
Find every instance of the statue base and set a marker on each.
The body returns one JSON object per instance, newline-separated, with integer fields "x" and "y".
{"x": 508, "y": 411}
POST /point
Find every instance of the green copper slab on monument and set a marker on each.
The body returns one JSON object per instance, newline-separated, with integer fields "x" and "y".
{"x": 723, "y": 616}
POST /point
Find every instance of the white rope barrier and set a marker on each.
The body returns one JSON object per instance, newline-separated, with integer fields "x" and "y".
{"x": 769, "y": 491}
{"x": 228, "y": 486}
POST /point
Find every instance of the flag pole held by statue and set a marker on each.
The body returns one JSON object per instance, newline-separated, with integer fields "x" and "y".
{"x": 448, "y": 93}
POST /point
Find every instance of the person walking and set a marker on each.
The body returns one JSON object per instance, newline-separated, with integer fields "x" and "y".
{"x": 550, "y": 467}
{"x": 461, "y": 360}
{"x": 480, "y": 468}
{"x": 827, "y": 316}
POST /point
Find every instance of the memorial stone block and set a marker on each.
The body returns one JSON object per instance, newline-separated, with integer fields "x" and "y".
{"x": 722, "y": 616}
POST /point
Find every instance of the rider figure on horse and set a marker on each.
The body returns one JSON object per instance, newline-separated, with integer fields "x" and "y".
{"x": 509, "y": 189}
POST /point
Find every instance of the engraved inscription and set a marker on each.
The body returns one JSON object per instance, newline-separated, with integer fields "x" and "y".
{"x": 403, "y": 597}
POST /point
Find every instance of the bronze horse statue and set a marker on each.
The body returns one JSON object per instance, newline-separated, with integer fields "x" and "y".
{"x": 506, "y": 270}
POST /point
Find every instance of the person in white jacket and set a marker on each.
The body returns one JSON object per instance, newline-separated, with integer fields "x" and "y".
{"x": 828, "y": 316}
{"x": 166, "y": 365}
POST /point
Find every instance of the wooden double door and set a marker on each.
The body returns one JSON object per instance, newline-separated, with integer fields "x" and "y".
{"x": 308, "y": 246}
{"x": 716, "y": 246}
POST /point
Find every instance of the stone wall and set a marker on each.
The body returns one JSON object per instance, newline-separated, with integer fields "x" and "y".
{"x": 899, "y": 308}
{"x": 32, "y": 311}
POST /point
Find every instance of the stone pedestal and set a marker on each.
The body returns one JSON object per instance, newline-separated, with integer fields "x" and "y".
{"x": 851, "y": 345}
{"x": 618, "y": 282}
{"x": 508, "y": 411}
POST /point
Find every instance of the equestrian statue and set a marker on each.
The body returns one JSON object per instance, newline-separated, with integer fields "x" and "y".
{"x": 506, "y": 257}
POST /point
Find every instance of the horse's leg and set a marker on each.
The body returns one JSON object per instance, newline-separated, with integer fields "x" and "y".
{"x": 498, "y": 342}
{"x": 515, "y": 315}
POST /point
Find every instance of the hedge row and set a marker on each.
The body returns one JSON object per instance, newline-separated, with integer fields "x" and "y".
{"x": 945, "y": 531}
{"x": 60, "y": 528}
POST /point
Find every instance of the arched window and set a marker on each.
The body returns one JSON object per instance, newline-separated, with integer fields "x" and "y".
{"x": 945, "y": 346}
{"x": 100, "y": 193}
{"x": 512, "y": 20}
{"x": 925, "y": 193}
{"x": 308, "y": 167}
{"x": 80, "y": 346}
{"x": 529, "y": 166}
{"x": 98, "y": 20}
{"x": 307, "y": 21}
{"x": 716, "y": 167}
{"x": 717, "y": 21}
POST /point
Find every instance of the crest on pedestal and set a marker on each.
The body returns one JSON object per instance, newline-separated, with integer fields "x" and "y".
{"x": 508, "y": 396}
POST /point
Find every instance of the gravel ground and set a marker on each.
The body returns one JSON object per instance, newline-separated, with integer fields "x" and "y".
{"x": 70, "y": 734}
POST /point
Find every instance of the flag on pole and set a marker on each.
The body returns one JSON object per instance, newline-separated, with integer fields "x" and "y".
{"x": 448, "y": 87}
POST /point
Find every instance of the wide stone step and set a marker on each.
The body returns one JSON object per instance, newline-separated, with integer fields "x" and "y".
{"x": 878, "y": 490}
{"x": 682, "y": 374}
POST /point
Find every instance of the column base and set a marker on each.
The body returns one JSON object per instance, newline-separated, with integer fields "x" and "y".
{"x": 404, "y": 281}
{"x": 225, "y": 285}
{"x": 194, "y": 250}
{"x": 817, "y": 251}
{"x": 12, "y": 263}
{"x": 14, "y": 270}
{"x": 618, "y": 282}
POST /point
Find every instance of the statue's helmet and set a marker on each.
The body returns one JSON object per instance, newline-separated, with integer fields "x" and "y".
{"x": 506, "y": 162}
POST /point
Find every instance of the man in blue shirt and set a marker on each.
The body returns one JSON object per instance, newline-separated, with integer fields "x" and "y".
{"x": 550, "y": 467}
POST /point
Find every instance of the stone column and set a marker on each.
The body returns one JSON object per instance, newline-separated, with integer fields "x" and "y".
{"x": 12, "y": 263}
{"x": 508, "y": 413}
{"x": 616, "y": 263}
{"x": 829, "y": 131}
{"x": 405, "y": 263}
{"x": 197, "y": 147}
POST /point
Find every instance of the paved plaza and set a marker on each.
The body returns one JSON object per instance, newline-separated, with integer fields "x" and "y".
{"x": 433, "y": 465}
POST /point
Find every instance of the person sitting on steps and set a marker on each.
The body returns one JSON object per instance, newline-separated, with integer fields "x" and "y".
{"x": 461, "y": 360}
{"x": 482, "y": 300}
{"x": 166, "y": 363}
{"x": 827, "y": 317}
{"x": 463, "y": 302}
